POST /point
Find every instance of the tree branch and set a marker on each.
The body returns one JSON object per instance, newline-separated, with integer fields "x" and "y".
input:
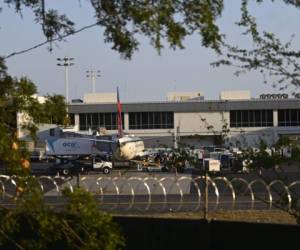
{"x": 46, "y": 42}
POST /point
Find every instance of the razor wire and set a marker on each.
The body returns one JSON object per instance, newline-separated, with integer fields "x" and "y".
{"x": 168, "y": 193}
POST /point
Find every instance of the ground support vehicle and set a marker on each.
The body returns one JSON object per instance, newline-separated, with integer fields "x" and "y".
{"x": 211, "y": 165}
{"x": 147, "y": 166}
{"x": 73, "y": 167}
{"x": 101, "y": 165}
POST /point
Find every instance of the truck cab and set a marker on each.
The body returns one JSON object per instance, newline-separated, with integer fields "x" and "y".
{"x": 84, "y": 165}
{"x": 101, "y": 165}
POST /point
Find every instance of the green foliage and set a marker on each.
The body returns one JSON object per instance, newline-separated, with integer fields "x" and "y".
{"x": 272, "y": 58}
{"x": 179, "y": 157}
{"x": 94, "y": 227}
{"x": 269, "y": 158}
{"x": 31, "y": 224}
{"x": 55, "y": 109}
{"x": 283, "y": 141}
{"x": 18, "y": 96}
{"x": 53, "y": 24}
{"x": 123, "y": 21}
{"x": 261, "y": 159}
{"x": 296, "y": 154}
{"x": 80, "y": 224}
{"x": 3, "y": 68}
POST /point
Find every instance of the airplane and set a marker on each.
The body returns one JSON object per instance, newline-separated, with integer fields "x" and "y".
{"x": 123, "y": 147}
{"x": 128, "y": 147}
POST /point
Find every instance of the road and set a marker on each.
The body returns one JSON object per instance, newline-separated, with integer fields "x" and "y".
{"x": 129, "y": 190}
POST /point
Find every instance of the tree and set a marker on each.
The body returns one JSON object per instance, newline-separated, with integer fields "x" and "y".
{"x": 171, "y": 22}
{"x": 55, "y": 109}
{"x": 31, "y": 224}
{"x": 80, "y": 224}
{"x": 124, "y": 20}
{"x": 18, "y": 96}
{"x": 275, "y": 60}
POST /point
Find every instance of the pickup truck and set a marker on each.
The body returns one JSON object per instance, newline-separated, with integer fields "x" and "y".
{"x": 104, "y": 166}
{"x": 82, "y": 166}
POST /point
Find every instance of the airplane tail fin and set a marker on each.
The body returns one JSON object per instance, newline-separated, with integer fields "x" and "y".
{"x": 119, "y": 116}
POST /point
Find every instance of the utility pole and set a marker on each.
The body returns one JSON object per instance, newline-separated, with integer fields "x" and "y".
{"x": 92, "y": 74}
{"x": 66, "y": 62}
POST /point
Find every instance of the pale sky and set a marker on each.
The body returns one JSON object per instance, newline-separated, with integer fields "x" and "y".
{"x": 148, "y": 76}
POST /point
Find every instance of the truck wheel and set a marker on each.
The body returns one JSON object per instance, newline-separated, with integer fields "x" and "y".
{"x": 66, "y": 171}
{"x": 106, "y": 170}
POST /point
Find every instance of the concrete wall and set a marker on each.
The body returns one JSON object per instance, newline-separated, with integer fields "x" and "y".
{"x": 198, "y": 123}
{"x": 183, "y": 96}
{"x": 193, "y": 130}
{"x": 235, "y": 95}
{"x": 100, "y": 97}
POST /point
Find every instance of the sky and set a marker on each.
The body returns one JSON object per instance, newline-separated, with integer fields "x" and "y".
{"x": 148, "y": 76}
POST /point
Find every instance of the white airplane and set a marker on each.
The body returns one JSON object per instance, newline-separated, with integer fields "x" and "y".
{"x": 124, "y": 147}
{"x": 127, "y": 147}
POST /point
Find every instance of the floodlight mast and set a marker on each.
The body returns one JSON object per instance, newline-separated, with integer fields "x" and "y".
{"x": 92, "y": 74}
{"x": 66, "y": 62}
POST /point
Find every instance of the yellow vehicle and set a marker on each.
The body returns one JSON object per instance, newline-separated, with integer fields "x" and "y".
{"x": 146, "y": 165}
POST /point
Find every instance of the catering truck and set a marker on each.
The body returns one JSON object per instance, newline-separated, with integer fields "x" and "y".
{"x": 78, "y": 154}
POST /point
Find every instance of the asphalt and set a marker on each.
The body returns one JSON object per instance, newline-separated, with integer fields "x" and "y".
{"x": 150, "y": 195}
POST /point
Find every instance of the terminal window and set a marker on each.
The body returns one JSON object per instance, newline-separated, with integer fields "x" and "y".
{"x": 288, "y": 117}
{"x": 151, "y": 120}
{"x": 251, "y": 118}
{"x": 96, "y": 120}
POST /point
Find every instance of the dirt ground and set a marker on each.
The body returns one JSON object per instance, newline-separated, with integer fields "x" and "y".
{"x": 261, "y": 216}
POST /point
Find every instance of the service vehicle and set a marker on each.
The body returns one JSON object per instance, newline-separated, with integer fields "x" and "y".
{"x": 211, "y": 165}
{"x": 73, "y": 167}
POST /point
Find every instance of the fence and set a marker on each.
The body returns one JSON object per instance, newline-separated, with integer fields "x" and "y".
{"x": 168, "y": 193}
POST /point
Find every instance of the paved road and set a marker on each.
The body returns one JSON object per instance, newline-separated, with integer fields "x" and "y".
{"x": 168, "y": 195}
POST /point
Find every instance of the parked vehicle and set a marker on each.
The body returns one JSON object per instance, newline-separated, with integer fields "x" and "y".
{"x": 101, "y": 165}
{"x": 211, "y": 165}
{"x": 72, "y": 167}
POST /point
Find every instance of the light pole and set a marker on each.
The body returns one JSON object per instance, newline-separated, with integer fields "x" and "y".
{"x": 66, "y": 62}
{"x": 92, "y": 74}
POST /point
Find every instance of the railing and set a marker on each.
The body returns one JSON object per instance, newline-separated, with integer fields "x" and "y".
{"x": 170, "y": 193}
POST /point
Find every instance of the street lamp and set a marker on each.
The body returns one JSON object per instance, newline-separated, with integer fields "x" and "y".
{"x": 66, "y": 62}
{"x": 92, "y": 74}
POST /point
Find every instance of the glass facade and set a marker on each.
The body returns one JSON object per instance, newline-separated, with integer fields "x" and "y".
{"x": 251, "y": 118}
{"x": 288, "y": 117}
{"x": 151, "y": 120}
{"x": 96, "y": 120}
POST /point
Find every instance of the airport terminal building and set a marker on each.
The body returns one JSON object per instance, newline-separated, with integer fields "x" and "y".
{"x": 186, "y": 117}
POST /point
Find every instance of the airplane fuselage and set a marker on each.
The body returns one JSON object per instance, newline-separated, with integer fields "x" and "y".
{"x": 129, "y": 148}
{"x": 126, "y": 148}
